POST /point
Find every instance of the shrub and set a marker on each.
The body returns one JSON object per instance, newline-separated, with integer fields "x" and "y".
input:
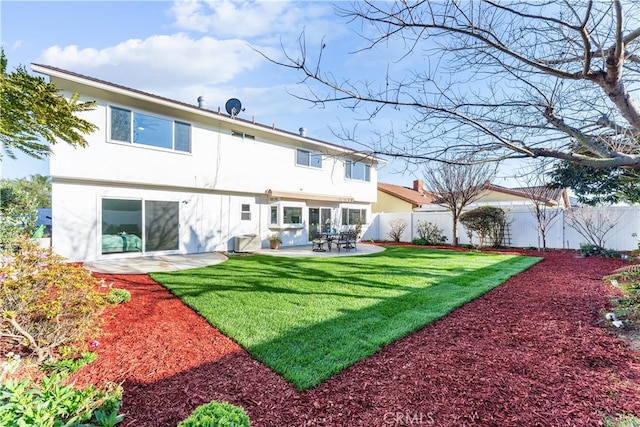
{"x": 46, "y": 303}
{"x": 398, "y": 226}
{"x": 589, "y": 249}
{"x": 429, "y": 233}
{"x": 53, "y": 403}
{"x": 217, "y": 414}
{"x": 487, "y": 222}
{"x": 69, "y": 365}
{"x": 118, "y": 296}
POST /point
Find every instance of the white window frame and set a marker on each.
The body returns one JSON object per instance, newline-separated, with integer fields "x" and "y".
{"x": 348, "y": 170}
{"x": 132, "y": 113}
{"x": 245, "y": 212}
{"x": 311, "y": 155}
{"x": 242, "y": 135}
{"x": 345, "y": 218}
{"x": 280, "y": 207}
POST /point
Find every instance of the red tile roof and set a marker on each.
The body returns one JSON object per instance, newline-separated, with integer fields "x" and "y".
{"x": 407, "y": 194}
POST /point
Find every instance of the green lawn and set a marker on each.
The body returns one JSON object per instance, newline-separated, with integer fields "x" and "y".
{"x": 309, "y": 318}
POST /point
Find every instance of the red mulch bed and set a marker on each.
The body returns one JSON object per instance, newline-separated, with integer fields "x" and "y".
{"x": 532, "y": 352}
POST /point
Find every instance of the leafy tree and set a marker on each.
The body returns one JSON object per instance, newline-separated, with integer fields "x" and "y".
{"x": 501, "y": 79}
{"x": 598, "y": 186}
{"x": 37, "y": 186}
{"x": 34, "y": 110}
{"x": 488, "y": 222}
{"x": 18, "y": 216}
{"x": 457, "y": 186}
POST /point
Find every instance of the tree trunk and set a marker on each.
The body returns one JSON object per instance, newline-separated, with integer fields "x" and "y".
{"x": 455, "y": 230}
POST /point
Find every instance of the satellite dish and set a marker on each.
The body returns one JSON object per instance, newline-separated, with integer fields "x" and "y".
{"x": 233, "y": 107}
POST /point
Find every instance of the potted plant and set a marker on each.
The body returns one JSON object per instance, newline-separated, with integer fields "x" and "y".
{"x": 274, "y": 241}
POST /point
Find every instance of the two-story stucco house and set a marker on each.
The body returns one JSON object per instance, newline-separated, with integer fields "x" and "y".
{"x": 162, "y": 177}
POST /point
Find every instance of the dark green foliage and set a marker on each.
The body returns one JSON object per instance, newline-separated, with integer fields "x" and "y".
{"x": 18, "y": 215}
{"x": 217, "y": 414}
{"x": 34, "y": 110}
{"x": 53, "y": 403}
{"x": 487, "y": 222}
{"x": 38, "y": 187}
{"x": 589, "y": 249}
{"x": 594, "y": 186}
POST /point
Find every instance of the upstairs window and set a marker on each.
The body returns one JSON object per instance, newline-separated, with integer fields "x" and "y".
{"x": 242, "y": 135}
{"x": 144, "y": 129}
{"x": 358, "y": 171}
{"x": 308, "y": 158}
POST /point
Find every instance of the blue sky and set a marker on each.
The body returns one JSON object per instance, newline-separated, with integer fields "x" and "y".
{"x": 186, "y": 49}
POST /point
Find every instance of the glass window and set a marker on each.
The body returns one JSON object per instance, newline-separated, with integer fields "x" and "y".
{"x": 316, "y": 160}
{"x": 354, "y": 216}
{"x": 357, "y": 170}
{"x": 245, "y": 214}
{"x": 182, "y": 137}
{"x": 161, "y": 228}
{"x": 292, "y": 215}
{"x": 121, "y": 226}
{"x": 149, "y": 130}
{"x": 308, "y": 158}
{"x": 120, "y": 124}
{"x": 242, "y": 135}
{"x": 154, "y": 131}
{"x": 302, "y": 157}
{"x": 274, "y": 214}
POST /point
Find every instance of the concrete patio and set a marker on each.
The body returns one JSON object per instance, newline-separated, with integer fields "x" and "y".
{"x": 144, "y": 265}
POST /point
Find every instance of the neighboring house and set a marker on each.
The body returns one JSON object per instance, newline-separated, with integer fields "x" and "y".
{"x": 495, "y": 195}
{"x": 396, "y": 198}
{"x": 161, "y": 176}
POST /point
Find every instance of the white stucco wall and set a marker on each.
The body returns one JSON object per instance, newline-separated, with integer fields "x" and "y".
{"x": 210, "y": 184}
{"x": 218, "y": 161}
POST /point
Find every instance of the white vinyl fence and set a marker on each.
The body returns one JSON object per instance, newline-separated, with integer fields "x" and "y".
{"x": 523, "y": 228}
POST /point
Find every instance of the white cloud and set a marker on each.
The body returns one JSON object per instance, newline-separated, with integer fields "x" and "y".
{"x": 244, "y": 19}
{"x": 160, "y": 60}
{"x": 267, "y": 20}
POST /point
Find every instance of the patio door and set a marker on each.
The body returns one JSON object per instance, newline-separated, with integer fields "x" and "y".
{"x": 319, "y": 221}
{"x": 160, "y": 226}
{"x": 131, "y": 225}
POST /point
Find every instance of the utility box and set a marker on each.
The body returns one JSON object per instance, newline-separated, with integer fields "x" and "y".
{"x": 247, "y": 243}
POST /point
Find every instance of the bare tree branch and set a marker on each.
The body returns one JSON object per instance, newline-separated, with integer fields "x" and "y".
{"x": 500, "y": 79}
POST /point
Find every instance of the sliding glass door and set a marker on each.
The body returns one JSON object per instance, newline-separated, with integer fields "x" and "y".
{"x": 129, "y": 225}
{"x": 319, "y": 221}
{"x": 161, "y": 226}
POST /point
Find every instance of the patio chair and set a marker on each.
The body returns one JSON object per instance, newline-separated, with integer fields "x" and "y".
{"x": 317, "y": 243}
{"x": 346, "y": 241}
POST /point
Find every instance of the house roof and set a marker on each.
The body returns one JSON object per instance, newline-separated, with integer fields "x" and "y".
{"x": 407, "y": 194}
{"x": 548, "y": 196}
{"x": 105, "y": 85}
{"x": 539, "y": 193}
